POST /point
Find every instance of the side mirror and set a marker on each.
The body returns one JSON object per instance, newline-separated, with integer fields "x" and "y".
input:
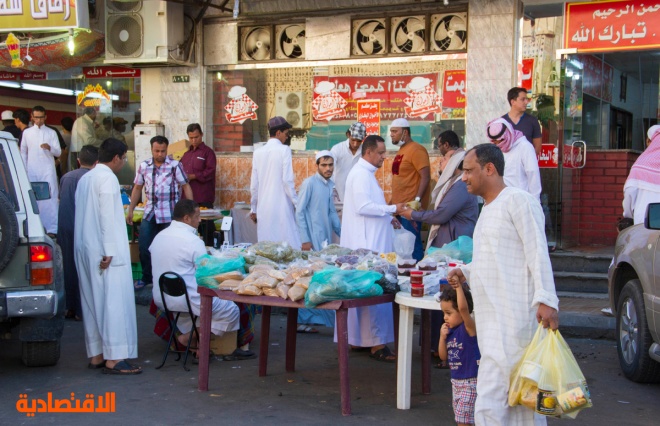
{"x": 652, "y": 218}
{"x": 41, "y": 190}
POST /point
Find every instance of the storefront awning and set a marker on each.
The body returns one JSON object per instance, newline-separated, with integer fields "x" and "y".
{"x": 51, "y": 53}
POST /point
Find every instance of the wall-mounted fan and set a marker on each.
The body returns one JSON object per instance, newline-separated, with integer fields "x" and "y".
{"x": 290, "y": 41}
{"x": 448, "y": 32}
{"x": 124, "y": 35}
{"x": 123, "y": 6}
{"x": 408, "y": 34}
{"x": 369, "y": 37}
{"x": 255, "y": 43}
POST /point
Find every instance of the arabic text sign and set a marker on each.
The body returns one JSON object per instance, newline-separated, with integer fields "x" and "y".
{"x": 90, "y": 404}
{"x": 110, "y": 72}
{"x": 549, "y": 156}
{"x": 390, "y": 90}
{"x": 453, "y": 89}
{"x": 16, "y": 15}
{"x": 368, "y": 113}
{"x": 14, "y": 76}
{"x": 527, "y": 80}
{"x": 614, "y": 25}
{"x": 592, "y": 82}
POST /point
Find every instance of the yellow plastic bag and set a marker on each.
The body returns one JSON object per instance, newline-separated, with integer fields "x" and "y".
{"x": 548, "y": 379}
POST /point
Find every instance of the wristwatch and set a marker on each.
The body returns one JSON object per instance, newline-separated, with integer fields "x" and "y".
{"x": 417, "y": 199}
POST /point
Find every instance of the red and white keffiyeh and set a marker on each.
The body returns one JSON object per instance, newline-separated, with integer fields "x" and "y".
{"x": 645, "y": 173}
{"x": 500, "y": 129}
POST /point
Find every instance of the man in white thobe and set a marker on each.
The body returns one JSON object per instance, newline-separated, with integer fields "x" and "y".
{"x": 367, "y": 223}
{"x": 103, "y": 261}
{"x": 39, "y": 147}
{"x": 347, "y": 154}
{"x": 82, "y": 133}
{"x": 521, "y": 168}
{"x": 182, "y": 234}
{"x": 511, "y": 281}
{"x": 273, "y": 193}
{"x": 643, "y": 183}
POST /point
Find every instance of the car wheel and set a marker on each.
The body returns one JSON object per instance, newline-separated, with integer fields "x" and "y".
{"x": 634, "y": 337}
{"x": 41, "y": 354}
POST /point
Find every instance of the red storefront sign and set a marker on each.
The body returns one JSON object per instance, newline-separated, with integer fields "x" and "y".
{"x": 549, "y": 156}
{"x": 391, "y": 91}
{"x": 612, "y": 25}
{"x": 14, "y": 76}
{"x": 573, "y": 157}
{"x": 110, "y": 72}
{"x": 368, "y": 113}
{"x": 527, "y": 78}
{"x": 453, "y": 89}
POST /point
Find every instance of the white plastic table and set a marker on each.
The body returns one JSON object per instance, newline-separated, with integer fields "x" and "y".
{"x": 407, "y": 305}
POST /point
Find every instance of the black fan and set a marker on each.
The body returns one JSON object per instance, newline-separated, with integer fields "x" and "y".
{"x": 256, "y": 44}
{"x": 292, "y": 42}
{"x": 408, "y": 36}
{"x": 370, "y": 38}
{"x": 125, "y": 35}
{"x": 450, "y": 33}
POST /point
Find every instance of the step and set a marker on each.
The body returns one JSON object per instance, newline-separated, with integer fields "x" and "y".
{"x": 580, "y": 315}
{"x": 583, "y": 282}
{"x": 580, "y": 262}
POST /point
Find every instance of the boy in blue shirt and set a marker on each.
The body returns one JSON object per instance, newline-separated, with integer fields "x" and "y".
{"x": 458, "y": 347}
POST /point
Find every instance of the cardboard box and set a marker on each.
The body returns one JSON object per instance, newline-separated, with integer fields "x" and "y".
{"x": 135, "y": 252}
{"x": 178, "y": 148}
{"x": 224, "y": 345}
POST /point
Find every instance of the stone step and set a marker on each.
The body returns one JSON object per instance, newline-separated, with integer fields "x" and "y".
{"x": 581, "y": 282}
{"x": 580, "y": 262}
{"x": 581, "y": 315}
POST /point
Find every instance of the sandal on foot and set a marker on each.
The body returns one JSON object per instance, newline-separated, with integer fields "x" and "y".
{"x": 384, "y": 355}
{"x": 302, "y": 328}
{"x": 96, "y": 366}
{"x": 123, "y": 368}
{"x": 239, "y": 355}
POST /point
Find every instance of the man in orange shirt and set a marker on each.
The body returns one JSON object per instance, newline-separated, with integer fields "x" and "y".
{"x": 410, "y": 177}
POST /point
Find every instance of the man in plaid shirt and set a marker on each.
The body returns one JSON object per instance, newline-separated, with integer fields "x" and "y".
{"x": 162, "y": 178}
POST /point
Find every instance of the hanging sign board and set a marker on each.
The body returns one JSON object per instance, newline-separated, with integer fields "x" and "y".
{"x": 527, "y": 78}
{"x": 453, "y": 94}
{"x": 613, "y": 25}
{"x": 549, "y": 156}
{"x": 43, "y": 15}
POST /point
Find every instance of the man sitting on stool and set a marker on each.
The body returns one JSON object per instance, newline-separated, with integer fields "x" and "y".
{"x": 175, "y": 249}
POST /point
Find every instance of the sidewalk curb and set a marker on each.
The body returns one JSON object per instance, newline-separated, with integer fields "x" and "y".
{"x": 575, "y": 324}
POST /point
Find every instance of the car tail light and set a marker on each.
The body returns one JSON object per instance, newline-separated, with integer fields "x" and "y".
{"x": 41, "y": 265}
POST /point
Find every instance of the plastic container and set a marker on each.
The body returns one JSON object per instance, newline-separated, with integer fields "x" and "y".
{"x": 416, "y": 284}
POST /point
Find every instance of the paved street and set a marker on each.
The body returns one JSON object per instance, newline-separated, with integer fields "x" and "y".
{"x": 310, "y": 396}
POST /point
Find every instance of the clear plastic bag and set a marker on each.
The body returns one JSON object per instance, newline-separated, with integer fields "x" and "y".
{"x": 209, "y": 266}
{"x": 548, "y": 379}
{"x": 404, "y": 242}
{"x": 336, "y": 284}
{"x": 276, "y": 252}
{"x": 460, "y": 249}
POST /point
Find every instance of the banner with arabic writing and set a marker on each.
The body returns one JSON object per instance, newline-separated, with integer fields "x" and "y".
{"x": 453, "y": 94}
{"x": 393, "y": 92}
{"x": 368, "y": 113}
{"x": 612, "y": 25}
{"x": 110, "y": 72}
{"x": 26, "y": 15}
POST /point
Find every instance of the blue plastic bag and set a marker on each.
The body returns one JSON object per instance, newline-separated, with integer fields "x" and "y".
{"x": 459, "y": 249}
{"x": 209, "y": 266}
{"x": 337, "y": 284}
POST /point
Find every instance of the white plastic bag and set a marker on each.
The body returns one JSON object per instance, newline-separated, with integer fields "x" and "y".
{"x": 404, "y": 243}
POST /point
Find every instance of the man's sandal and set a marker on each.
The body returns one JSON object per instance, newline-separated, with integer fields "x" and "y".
{"x": 384, "y": 355}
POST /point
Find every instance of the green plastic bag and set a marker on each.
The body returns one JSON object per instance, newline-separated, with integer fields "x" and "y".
{"x": 336, "y": 284}
{"x": 459, "y": 249}
{"x": 209, "y": 266}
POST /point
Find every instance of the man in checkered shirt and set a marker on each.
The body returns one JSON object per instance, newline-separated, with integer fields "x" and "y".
{"x": 162, "y": 179}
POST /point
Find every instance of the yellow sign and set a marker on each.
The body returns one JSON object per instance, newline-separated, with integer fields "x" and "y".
{"x": 102, "y": 404}
{"x": 44, "y": 15}
{"x": 92, "y": 89}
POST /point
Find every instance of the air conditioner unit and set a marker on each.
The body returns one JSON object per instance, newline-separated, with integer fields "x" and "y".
{"x": 290, "y": 106}
{"x": 143, "y": 32}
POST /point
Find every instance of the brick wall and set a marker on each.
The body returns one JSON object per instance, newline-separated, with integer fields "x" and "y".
{"x": 597, "y": 197}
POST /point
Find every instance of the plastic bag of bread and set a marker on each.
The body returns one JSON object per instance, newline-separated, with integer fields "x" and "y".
{"x": 277, "y": 274}
{"x": 229, "y": 285}
{"x": 283, "y": 290}
{"x": 303, "y": 282}
{"x": 295, "y": 273}
{"x": 318, "y": 265}
{"x": 252, "y": 277}
{"x": 270, "y": 292}
{"x": 250, "y": 290}
{"x": 233, "y": 275}
{"x": 265, "y": 281}
{"x": 261, "y": 267}
{"x": 296, "y": 293}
